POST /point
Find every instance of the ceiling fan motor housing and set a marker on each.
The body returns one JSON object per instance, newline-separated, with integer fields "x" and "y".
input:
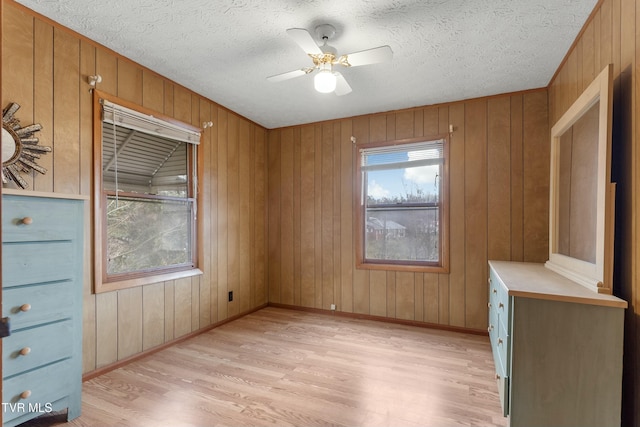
{"x": 325, "y": 32}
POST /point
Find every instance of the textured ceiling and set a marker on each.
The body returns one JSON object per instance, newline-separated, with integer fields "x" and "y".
{"x": 443, "y": 50}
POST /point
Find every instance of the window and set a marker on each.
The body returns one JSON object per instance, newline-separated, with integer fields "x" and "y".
{"x": 402, "y": 210}
{"x": 145, "y": 196}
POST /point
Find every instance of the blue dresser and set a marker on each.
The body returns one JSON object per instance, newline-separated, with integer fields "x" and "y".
{"x": 42, "y": 261}
{"x": 557, "y": 348}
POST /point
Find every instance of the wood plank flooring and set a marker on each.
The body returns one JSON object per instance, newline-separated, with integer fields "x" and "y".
{"x": 279, "y": 367}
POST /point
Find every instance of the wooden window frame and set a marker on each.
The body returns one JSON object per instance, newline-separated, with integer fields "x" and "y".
{"x": 359, "y": 209}
{"x": 103, "y": 282}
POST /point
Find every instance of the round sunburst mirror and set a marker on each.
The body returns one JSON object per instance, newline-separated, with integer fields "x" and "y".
{"x": 20, "y": 148}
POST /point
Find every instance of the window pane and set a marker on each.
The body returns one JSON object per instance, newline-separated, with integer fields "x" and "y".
{"x": 407, "y": 185}
{"x": 403, "y": 234}
{"x": 147, "y": 234}
{"x": 138, "y": 162}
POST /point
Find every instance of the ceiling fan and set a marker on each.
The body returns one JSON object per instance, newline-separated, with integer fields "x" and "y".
{"x": 325, "y": 58}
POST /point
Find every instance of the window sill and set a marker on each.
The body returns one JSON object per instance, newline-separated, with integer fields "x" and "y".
{"x": 403, "y": 267}
{"x": 146, "y": 280}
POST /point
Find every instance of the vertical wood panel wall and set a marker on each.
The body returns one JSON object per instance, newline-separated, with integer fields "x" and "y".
{"x": 44, "y": 68}
{"x": 498, "y": 196}
{"x": 612, "y": 36}
{"x": 499, "y": 190}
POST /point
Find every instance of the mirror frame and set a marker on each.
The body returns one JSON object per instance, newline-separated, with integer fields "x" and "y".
{"x": 596, "y": 276}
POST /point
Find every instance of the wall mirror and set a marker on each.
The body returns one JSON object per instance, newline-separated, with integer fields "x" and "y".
{"x": 20, "y": 149}
{"x": 582, "y": 201}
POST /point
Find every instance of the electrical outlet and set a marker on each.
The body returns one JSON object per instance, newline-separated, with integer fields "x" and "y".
{"x": 333, "y": 306}
{"x": 230, "y": 296}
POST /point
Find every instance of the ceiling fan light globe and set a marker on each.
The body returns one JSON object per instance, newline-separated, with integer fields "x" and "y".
{"x": 325, "y": 81}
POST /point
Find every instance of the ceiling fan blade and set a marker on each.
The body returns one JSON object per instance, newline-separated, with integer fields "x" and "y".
{"x": 369, "y": 56}
{"x": 289, "y": 75}
{"x": 304, "y": 40}
{"x": 342, "y": 87}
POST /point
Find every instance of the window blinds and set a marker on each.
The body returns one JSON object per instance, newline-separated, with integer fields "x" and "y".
{"x": 131, "y": 119}
{"x": 402, "y": 156}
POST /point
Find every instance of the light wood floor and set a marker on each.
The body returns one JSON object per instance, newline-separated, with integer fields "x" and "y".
{"x": 279, "y": 367}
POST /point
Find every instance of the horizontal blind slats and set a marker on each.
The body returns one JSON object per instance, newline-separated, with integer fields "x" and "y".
{"x": 402, "y": 155}
{"x": 135, "y": 120}
{"x": 401, "y": 165}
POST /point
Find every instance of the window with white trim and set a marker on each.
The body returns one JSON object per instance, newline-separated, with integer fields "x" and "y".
{"x": 147, "y": 193}
{"x": 402, "y": 209}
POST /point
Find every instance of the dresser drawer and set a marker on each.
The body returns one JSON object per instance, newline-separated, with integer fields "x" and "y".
{"x": 494, "y": 284}
{"x": 502, "y": 375}
{"x": 35, "y": 347}
{"x": 49, "y": 219}
{"x": 497, "y": 361}
{"x": 503, "y": 391}
{"x": 502, "y": 348}
{"x": 493, "y": 325}
{"x": 29, "y": 306}
{"x": 502, "y": 299}
{"x": 37, "y": 262}
{"x": 36, "y": 388}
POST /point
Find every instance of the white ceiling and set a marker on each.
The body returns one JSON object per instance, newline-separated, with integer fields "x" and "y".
{"x": 444, "y": 50}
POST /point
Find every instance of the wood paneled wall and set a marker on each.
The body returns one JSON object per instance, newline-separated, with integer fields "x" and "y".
{"x": 44, "y": 70}
{"x": 498, "y": 195}
{"x": 612, "y": 36}
{"x": 499, "y": 190}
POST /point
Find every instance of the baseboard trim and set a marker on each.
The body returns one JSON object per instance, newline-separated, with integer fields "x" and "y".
{"x": 120, "y": 363}
{"x": 427, "y": 325}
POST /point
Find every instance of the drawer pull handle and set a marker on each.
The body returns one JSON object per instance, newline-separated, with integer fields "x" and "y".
{"x": 25, "y": 394}
{"x": 500, "y": 341}
{"x": 497, "y": 376}
{"x": 25, "y": 307}
{"x": 27, "y": 220}
{"x": 489, "y": 305}
{"x": 490, "y": 328}
{"x": 495, "y": 291}
{"x": 501, "y": 305}
{"x": 25, "y": 351}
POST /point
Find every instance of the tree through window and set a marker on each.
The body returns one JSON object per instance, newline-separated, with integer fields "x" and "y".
{"x": 402, "y": 210}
